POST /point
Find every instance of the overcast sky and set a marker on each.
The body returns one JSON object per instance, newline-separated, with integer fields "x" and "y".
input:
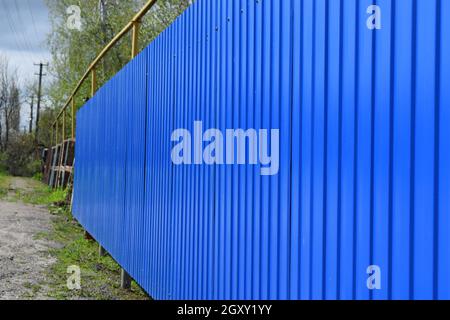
{"x": 24, "y": 25}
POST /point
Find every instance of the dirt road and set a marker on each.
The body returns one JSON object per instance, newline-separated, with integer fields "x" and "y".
{"x": 24, "y": 259}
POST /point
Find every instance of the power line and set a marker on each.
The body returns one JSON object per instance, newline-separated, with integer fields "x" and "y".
{"x": 20, "y": 18}
{"x": 32, "y": 18}
{"x": 33, "y": 22}
{"x": 20, "y": 49}
{"x": 16, "y": 39}
{"x": 9, "y": 16}
{"x": 23, "y": 46}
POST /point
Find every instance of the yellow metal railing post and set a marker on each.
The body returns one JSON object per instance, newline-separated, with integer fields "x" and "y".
{"x": 64, "y": 127}
{"x": 56, "y": 132}
{"x": 93, "y": 82}
{"x": 135, "y": 39}
{"x": 61, "y": 129}
{"x": 73, "y": 118}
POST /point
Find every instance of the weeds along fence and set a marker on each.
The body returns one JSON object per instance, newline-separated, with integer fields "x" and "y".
{"x": 359, "y": 207}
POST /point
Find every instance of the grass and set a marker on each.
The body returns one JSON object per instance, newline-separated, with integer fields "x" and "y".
{"x": 41, "y": 195}
{"x": 100, "y": 276}
{"x": 4, "y": 184}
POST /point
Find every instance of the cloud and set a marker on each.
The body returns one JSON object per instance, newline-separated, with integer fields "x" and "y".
{"x": 24, "y": 26}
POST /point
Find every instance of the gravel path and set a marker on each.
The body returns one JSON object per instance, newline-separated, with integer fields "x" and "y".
{"x": 23, "y": 259}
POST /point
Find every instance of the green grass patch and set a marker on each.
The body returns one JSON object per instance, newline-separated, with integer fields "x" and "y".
{"x": 100, "y": 276}
{"x": 34, "y": 290}
{"x": 41, "y": 195}
{"x": 4, "y": 184}
{"x": 37, "y": 194}
{"x": 38, "y": 176}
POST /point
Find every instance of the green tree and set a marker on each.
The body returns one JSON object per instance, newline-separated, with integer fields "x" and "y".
{"x": 73, "y": 50}
{"x": 46, "y": 120}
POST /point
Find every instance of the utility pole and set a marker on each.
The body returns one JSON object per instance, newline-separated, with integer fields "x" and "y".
{"x": 40, "y": 74}
{"x": 31, "y": 113}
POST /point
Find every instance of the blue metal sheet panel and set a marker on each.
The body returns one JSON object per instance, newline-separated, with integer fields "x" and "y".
{"x": 401, "y": 146}
{"x": 443, "y": 154}
{"x": 363, "y": 178}
{"x": 109, "y": 175}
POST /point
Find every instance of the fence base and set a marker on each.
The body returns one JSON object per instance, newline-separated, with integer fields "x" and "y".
{"x": 101, "y": 251}
{"x": 88, "y": 236}
{"x": 125, "y": 280}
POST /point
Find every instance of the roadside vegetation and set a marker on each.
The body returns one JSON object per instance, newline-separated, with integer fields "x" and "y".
{"x": 4, "y": 184}
{"x": 100, "y": 276}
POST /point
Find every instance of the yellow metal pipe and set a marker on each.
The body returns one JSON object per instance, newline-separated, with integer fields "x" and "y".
{"x": 136, "y": 20}
{"x": 73, "y": 118}
{"x": 135, "y": 40}
{"x": 56, "y": 134}
{"x": 93, "y": 82}
{"x": 64, "y": 126}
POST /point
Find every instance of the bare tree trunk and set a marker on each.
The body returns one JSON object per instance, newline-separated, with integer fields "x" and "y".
{"x": 6, "y": 128}
{"x": 1, "y": 134}
{"x": 103, "y": 20}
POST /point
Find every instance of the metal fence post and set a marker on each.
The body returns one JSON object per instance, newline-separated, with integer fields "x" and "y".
{"x": 73, "y": 118}
{"x": 93, "y": 82}
{"x": 135, "y": 39}
{"x": 125, "y": 280}
{"x": 64, "y": 127}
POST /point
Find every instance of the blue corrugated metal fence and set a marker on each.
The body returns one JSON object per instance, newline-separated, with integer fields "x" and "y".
{"x": 364, "y": 175}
